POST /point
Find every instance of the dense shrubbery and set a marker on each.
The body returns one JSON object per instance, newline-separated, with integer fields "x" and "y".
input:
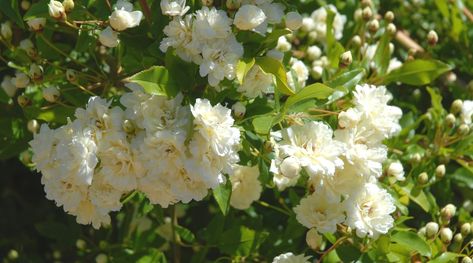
{"x": 236, "y": 131}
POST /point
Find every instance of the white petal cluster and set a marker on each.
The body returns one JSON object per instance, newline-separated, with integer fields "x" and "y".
{"x": 256, "y": 83}
{"x": 273, "y": 12}
{"x": 246, "y": 187}
{"x": 249, "y": 17}
{"x": 310, "y": 147}
{"x": 467, "y": 112}
{"x": 108, "y": 37}
{"x": 291, "y": 258}
{"x": 298, "y": 75}
{"x": 172, "y": 153}
{"x": 318, "y": 25}
{"x": 396, "y": 170}
{"x": 174, "y": 7}
{"x": 36, "y": 24}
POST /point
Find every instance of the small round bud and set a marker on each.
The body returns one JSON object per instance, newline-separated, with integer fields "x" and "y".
{"x": 71, "y": 75}
{"x": 290, "y": 167}
{"x": 465, "y": 229}
{"x": 373, "y": 26}
{"x": 417, "y": 94}
{"x": 239, "y": 110}
{"x": 68, "y": 5}
{"x": 268, "y": 146}
{"x": 446, "y": 235}
{"x": 450, "y": 120}
{"x": 101, "y": 258}
{"x": 128, "y": 126}
{"x": 23, "y": 101}
{"x": 451, "y": 77}
{"x": 456, "y": 106}
{"x": 293, "y": 20}
{"x": 416, "y": 158}
{"x": 431, "y": 229}
{"x": 233, "y": 4}
{"x": 36, "y": 24}
{"x": 25, "y": 5}
{"x": 367, "y": 13}
{"x": 207, "y": 2}
{"x": 432, "y": 38}
{"x": 448, "y": 211}
{"x": 358, "y": 15}
{"x": 356, "y": 40}
{"x": 463, "y": 130}
{"x": 313, "y": 239}
{"x": 391, "y": 29}
{"x": 51, "y": 94}
{"x": 103, "y": 244}
{"x": 36, "y": 72}
{"x": 389, "y": 16}
{"x": 13, "y": 254}
{"x": 57, "y": 254}
{"x": 33, "y": 126}
{"x": 423, "y": 178}
{"x": 365, "y": 3}
{"x": 346, "y": 58}
{"x": 81, "y": 244}
{"x": 422, "y": 231}
{"x": 25, "y": 157}
{"x": 396, "y": 170}
{"x": 458, "y": 238}
{"x": 56, "y": 10}
{"x": 440, "y": 171}
{"x": 467, "y": 260}
{"x": 313, "y": 53}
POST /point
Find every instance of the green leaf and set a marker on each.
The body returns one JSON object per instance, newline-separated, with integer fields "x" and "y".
{"x": 37, "y": 10}
{"x": 446, "y": 257}
{"x": 180, "y": 72}
{"x": 243, "y": 67}
{"x": 222, "y": 195}
{"x": 463, "y": 177}
{"x": 382, "y": 56}
{"x": 413, "y": 242}
{"x": 348, "y": 79}
{"x": 275, "y": 67}
{"x": 241, "y": 241}
{"x": 185, "y": 233}
{"x": 348, "y": 253}
{"x": 418, "y": 196}
{"x": 417, "y": 72}
{"x": 57, "y": 114}
{"x": 313, "y": 91}
{"x": 271, "y": 40}
{"x": 155, "y": 80}
{"x": 11, "y": 9}
{"x": 154, "y": 256}
{"x": 263, "y": 124}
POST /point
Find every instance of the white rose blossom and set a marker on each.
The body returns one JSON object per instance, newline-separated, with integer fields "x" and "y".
{"x": 246, "y": 187}
{"x": 249, "y": 17}
{"x": 174, "y": 7}
{"x": 396, "y": 170}
{"x": 291, "y": 258}
{"x": 256, "y": 83}
{"x": 123, "y": 16}
{"x": 467, "y": 112}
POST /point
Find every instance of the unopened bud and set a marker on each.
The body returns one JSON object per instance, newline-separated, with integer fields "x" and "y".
{"x": 417, "y": 94}
{"x": 448, "y": 211}
{"x": 466, "y": 259}
{"x": 456, "y": 106}
{"x": 71, "y": 75}
{"x": 389, "y": 16}
{"x": 290, "y": 167}
{"x": 51, "y": 94}
{"x": 101, "y": 258}
{"x": 26, "y": 157}
{"x": 36, "y": 24}
{"x": 440, "y": 171}
{"x": 25, "y": 5}
{"x": 391, "y": 29}
{"x": 431, "y": 229}
{"x": 80, "y": 244}
{"x": 233, "y": 4}
{"x": 367, "y": 13}
{"x": 463, "y": 130}
{"x": 13, "y": 254}
{"x": 465, "y": 229}
{"x": 422, "y": 231}
{"x": 450, "y": 120}
{"x": 239, "y": 110}
{"x": 268, "y": 146}
{"x": 313, "y": 239}
{"x": 207, "y": 2}
{"x": 358, "y": 15}
{"x": 432, "y": 38}
{"x": 451, "y": 77}
{"x": 36, "y": 72}
{"x": 33, "y": 126}
{"x": 356, "y": 40}
{"x": 68, "y": 5}
{"x": 128, "y": 126}
{"x": 446, "y": 235}
{"x": 458, "y": 238}
{"x": 365, "y": 3}
{"x": 23, "y": 101}
{"x": 56, "y": 10}
{"x": 346, "y": 58}
{"x": 416, "y": 158}
{"x": 373, "y": 26}
{"x": 423, "y": 178}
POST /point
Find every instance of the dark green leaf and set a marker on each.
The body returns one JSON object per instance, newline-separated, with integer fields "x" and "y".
{"x": 314, "y": 91}
{"x": 412, "y": 242}
{"x": 275, "y": 67}
{"x": 222, "y": 195}
{"x": 417, "y": 72}
{"x": 155, "y": 80}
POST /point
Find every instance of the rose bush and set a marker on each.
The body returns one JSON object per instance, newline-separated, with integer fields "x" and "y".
{"x": 238, "y": 130}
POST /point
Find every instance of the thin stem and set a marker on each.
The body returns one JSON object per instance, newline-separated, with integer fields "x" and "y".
{"x": 334, "y": 246}
{"x": 146, "y": 10}
{"x": 175, "y": 247}
{"x": 85, "y": 90}
{"x": 129, "y": 197}
{"x": 262, "y": 203}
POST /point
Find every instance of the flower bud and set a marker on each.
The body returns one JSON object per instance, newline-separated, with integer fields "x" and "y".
{"x": 373, "y": 26}
{"x": 57, "y": 254}
{"x": 21, "y": 80}
{"x": 81, "y": 244}
{"x": 23, "y": 101}
{"x": 128, "y": 126}
{"x": 440, "y": 171}
{"x": 463, "y": 130}
{"x": 283, "y": 45}
{"x": 389, "y": 16}
{"x": 417, "y": 94}
{"x": 33, "y": 126}
{"x": 239, "y": 110}
{"x": 6, "y": 31}
{"x": 365, "y": 3}
{"x": 25, "y": 5}
{"x": 36, "y": 24}
{"x": 13, "y": 254}
{"x": 268, "y": 146}
{"x": 68, "y": 5}
{"x": 290, "y": 167}
{"x": 416, "y": 158}
{"x": 422, "y": 231}
{"x": 448, "y": 211}
{"x": 391, "y": 29}
{"x": 28, "y": 46}
{"x": 71, "y": 75}
{"x": 313, "y": 239}
{"x": 358, "y": 15}
{"x": 346, "y": 58}
{"x": 233, "y": 4}
{"x": 207, "y": 2}
{"x": 431, "y": 229}
{"x": 466, "y": 259}
{"x": 432, "y": 38}
{"x": 446, "y": 235}
{"x": 8, "y": 86}
{"x": 36, "y": 72}
{"x": 293, "y": 20}
{"x": 56, "y": 10}
{"x": 356, "y": 40}
{"x": 109, "y": 38}
{"x": 396, "y": 170}
{"x": 451, "y": 77}
{"x": 101, "y": 258}
{"x": 450, "y": 120}
{"x": 249, "y": 17}
{"x": 423, "y": 178}
{"x": 26, "y": 157}
{"x": 367, "y": 13}
{"x": 458, "y": 238}
{"x": 313, "y": 53}
{"x": 51, "y": 94}
{"x": 465, "y": 229}
{"x": 122, "y": 19}
{"x": 457, "y": 106}
{"x": 316, "y": 72}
